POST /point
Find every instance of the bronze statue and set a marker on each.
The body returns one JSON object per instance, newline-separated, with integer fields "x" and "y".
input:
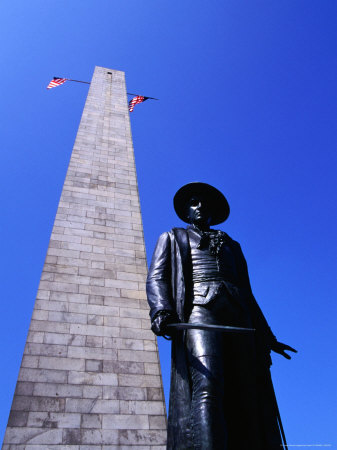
{"x": 221, "y": 394}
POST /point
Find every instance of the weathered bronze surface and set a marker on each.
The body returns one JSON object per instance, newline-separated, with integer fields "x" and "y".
{"x": 221, "y": 393}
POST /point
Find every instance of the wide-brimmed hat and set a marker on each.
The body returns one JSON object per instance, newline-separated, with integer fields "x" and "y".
{"x": 216, "y": 201}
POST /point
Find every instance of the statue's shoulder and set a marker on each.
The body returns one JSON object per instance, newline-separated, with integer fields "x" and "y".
{"x": 178, "y": 230}
{"x": 173, "y": 234}
{"x": 229, "y": 238}
{"x": 178, "y": 233}
{"x": 235, "y": 246}
{"x": 230, "y": 241}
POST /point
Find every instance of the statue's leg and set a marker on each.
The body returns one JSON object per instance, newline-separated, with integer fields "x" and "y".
{"x": 206, "y": 362}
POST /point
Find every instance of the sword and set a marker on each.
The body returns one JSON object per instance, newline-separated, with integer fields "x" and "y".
{"x": 207, "y": 327}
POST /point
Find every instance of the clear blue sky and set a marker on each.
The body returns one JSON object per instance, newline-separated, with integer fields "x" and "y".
{"x": 248, "y": 103}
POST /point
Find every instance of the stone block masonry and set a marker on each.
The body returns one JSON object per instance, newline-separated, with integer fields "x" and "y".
{"x": 90, "y": 375}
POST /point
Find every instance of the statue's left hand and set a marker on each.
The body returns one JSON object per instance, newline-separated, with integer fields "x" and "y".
{"x": 280, "y": 348}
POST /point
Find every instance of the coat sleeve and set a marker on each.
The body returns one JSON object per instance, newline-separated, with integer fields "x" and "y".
{"x": 158, "y": 284}
{"x": 259, "y": 320}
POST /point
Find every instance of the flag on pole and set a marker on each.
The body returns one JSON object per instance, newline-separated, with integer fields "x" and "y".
{"x": 135, "y": 100}
{"x": 56, "y": 81}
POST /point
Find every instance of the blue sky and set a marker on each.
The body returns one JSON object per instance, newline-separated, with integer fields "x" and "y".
{"x": 248, "y": 96}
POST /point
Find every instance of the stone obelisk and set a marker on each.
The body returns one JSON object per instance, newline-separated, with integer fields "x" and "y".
{"x": 90, "y": 375}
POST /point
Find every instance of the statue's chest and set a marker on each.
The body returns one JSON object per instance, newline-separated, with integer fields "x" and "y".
{"x": 211, "y": 260}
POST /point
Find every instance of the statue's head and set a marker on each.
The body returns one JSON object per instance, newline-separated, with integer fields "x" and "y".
{"x": 201, "y": 204}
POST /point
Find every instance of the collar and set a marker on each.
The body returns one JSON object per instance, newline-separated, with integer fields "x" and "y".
{"x": 214, "y": 239}
{"x": 197, "y": 230}
{"x": 209, "y": 232}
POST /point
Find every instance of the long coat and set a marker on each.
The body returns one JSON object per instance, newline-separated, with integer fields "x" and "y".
{"x": 252, "y": 418}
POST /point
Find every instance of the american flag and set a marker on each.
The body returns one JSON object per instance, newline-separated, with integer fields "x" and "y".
{"x": 135, "y": 100}
{"x": 56, "y": 81}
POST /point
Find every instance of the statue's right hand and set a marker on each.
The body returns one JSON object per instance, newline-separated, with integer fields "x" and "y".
{"x": 160, "y": 322}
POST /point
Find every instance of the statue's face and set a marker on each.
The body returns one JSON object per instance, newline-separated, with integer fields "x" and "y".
{"x": 197, "y": 211}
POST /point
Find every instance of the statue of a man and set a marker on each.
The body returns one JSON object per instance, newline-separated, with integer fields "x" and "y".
{"x": 221, "y": 393}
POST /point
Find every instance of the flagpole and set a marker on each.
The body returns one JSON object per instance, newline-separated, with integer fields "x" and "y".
{"x": 78, "y": 81}
{"x": 87, "y": 82}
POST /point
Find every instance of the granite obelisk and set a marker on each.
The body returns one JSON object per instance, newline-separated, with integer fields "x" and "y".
{"x": 90, "y": 375}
